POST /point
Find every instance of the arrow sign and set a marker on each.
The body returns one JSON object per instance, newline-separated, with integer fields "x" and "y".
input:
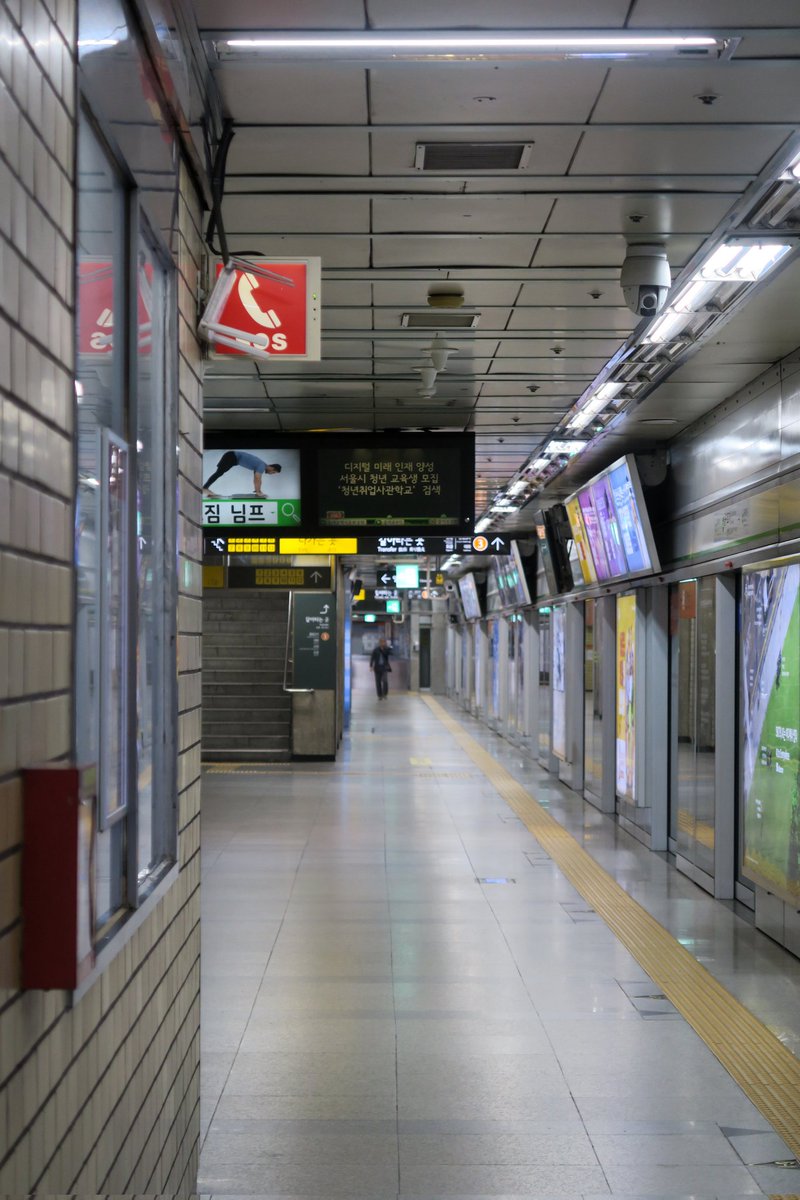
{"x": 326, "y": 608}
{"x": 315, "y": 575}
{"x": 387, "y": 578}
{"x": 498, "y": 543}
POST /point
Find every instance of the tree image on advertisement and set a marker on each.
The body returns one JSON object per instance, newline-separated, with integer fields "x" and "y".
{"x": 771, "y": 714}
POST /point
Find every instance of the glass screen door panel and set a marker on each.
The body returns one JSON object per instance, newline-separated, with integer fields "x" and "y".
{"x": 545, "y": 699}
{"x": 593, "y": 700}
{"x": 693, "y": 720}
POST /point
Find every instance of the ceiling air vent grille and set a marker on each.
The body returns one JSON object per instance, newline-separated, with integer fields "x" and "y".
{"x": 459, "y": 157}
{"x": 440, "y": 319}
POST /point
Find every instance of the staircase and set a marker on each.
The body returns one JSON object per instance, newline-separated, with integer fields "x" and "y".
{"x": 246, "y": 713}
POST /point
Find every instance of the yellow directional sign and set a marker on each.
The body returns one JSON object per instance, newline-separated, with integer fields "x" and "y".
{"x": 318, "y": 545}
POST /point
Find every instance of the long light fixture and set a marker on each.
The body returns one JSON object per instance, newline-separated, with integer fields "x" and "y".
{"x": 595, "y": 405}
{"x": 460, "y": 44}
{"x": 730, "y": 270}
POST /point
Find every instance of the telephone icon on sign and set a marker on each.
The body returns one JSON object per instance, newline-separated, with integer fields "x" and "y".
{"x": 269, "y": 318}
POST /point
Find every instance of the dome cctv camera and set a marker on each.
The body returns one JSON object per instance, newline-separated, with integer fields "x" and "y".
{"x": 645, "y": 279}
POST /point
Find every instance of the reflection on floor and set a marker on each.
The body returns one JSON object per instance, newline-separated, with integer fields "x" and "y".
{"x": 403, "y": 997}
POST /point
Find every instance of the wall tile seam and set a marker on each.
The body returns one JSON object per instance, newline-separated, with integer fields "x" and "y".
{"x": 165, "y": 1064}
{"x": 21, "y": 104}
{"x": 54, "y": 24}
{"x": 182, "y": 829}
{"x": 87, "y": 1101}
{"x": 67, "y": 303}
{"x": 187, "y": 441}
{"x": 183, "y": 1153}
{"x": 194, "y": 1046}
{"x": 17, "y": 998}
{"x": 92, "y": 1034}
{"x": 27, "y": 407}
{"x": 67, "y": 243}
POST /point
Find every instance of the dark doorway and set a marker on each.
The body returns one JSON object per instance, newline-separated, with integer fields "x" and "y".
{"x": 425, "y": 657}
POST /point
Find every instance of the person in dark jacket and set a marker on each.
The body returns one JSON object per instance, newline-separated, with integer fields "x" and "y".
{"x": 380, "y": 666}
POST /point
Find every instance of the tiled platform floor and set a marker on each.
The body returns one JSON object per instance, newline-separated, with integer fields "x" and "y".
{"x": 378, "y": 1023}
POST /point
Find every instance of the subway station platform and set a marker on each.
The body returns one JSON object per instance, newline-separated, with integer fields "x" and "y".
{"x": 408, "y": 994}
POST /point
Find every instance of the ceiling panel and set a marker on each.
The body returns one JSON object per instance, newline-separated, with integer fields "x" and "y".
{"x": 334, "y": 251}
{"x": 345, "y": 318}
{"x": 616, "y": 320}
{"x": 298, "y": 150}
{"x": 460, "y": 214}
{"x": 701, "y": 14}
{"x": 297, "y": 214}
{"x": 594, "y": 250}
{"x": 545, "y": 388}
{"x": 478, "y": 250}
{"x": 541, "y": 349}
{"x": 413, "y": 293}
{"x": 474, "y": 94}
{"x": 300, "y": 14}
{"x": 293, "y": 93}
{"x": 686, "y": 151}
{"x": 576, "y": 290}
{"x": 742, "y": 91}
{"x": 636, "y": 215}
{"x": 500, "y": 14}
{"x": 393, "y": 150}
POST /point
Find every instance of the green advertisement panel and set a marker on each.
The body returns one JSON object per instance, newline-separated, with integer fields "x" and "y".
{"x": 770, "y": 684}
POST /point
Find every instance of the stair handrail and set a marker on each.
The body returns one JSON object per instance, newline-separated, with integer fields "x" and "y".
{"x": 291, "y": 690}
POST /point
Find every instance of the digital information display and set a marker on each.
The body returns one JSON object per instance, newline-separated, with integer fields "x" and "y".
{"x": 251, "y": 487}
{"x": 610, "y": 526}
{"x": 389, "y": 485}
{"x": 770, "y": 691}
{"x": 469, "y": 597}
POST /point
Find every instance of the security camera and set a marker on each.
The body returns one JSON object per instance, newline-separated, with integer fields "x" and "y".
{"x": 645, "y": 279}
{"x": 449, "y": 585}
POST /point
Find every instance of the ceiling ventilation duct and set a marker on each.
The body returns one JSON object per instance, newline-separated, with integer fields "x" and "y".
{"x": 441, "y": 318}
{"x": 460, "y": 157}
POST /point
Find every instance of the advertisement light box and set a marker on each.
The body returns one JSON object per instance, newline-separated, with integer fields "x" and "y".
{"x": 251, "y": 487}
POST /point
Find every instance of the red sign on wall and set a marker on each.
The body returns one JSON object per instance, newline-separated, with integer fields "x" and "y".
{"x": 265, "y": 308}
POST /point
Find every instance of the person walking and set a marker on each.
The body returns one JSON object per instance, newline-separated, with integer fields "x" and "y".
{"x": 250, "y": 462}
{"x": 380, "y": 666}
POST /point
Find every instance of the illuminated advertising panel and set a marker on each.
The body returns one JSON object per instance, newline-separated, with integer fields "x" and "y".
{"x": 469, "y": 597}
{"x": 559, "y": 682}
{"x": 521, "y": 581}
{"x": 580, "y": 540}
{"x": 626, "y": 697}
{"x": 609, "y": 527}
{"x": 636, "y": 541}
{"x": 595, "y": 538}
{"x": 265, "y": 308}
{"x": 770, "y": 691}
{"x": 255, "y": 487}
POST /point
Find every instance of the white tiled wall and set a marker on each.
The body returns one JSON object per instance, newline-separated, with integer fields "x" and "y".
{"x": 102, "y": 1097}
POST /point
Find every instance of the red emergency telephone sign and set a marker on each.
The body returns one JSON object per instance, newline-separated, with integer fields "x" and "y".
{"x": 265, "y": 308}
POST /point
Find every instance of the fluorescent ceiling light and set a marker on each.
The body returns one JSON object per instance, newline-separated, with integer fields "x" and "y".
{"x": 539, "y": 464}
{"x": 742, "y": 262}
{"x": 666, "y": 326}
{"x": 518, "y": 486}
{"x": 589, "y": 45}
{"x": 602, "y": 397}
{"x": 565, "y": 446}
{"x": 483, "y": 524}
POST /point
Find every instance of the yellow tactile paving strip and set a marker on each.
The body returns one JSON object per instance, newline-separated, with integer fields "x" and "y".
{"x": 767, "y": 1072}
